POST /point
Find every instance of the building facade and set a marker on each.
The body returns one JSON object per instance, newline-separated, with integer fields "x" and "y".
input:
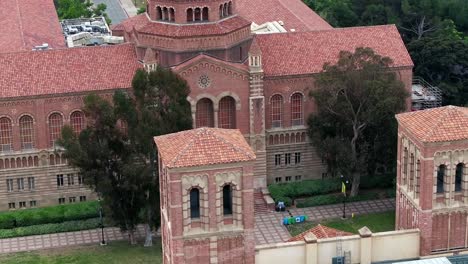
{"x": 257, "y": 83}
{"x": 206, "y": 180}
{"x": 432, "y": 181}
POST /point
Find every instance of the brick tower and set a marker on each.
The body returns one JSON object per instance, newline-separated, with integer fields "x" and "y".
{"x": 432, "y": 181}
{"x": 174, "y": 31}
{"x": 206, "y": 185}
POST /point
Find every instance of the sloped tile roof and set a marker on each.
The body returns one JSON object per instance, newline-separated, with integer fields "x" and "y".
{"x": 306, "y": 52}
{"x": 203, "y": 146}
{"x": 294, "y": 14}
{"x": 320, "y": 231}
{"x": 449, "y": 123}
{"x": 29, "y": 23}
{"x": 34, "y": 73}
{"x": 143, "y": 24}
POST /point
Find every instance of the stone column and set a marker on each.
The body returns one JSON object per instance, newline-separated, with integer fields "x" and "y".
{"x": 366, "y": 245}
{"x": 311, "y": 255}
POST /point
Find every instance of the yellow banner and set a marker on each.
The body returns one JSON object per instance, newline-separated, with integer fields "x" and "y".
{"x": 343, "y": 188}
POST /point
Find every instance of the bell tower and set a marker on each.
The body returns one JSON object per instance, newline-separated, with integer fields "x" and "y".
{"x": 207, "y": 203}
{"x": 190, "y": 12}
{"x": 174, "y": 31}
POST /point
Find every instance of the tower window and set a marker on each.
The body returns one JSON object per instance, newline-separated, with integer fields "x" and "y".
{"x": 197, "y": 16}
{"x": 5, "y": 134}
{"x": 440, "y": 178}
{"x": 26, "y": 132}
{"x": 195, "y": 203}
{"x": 296, "y": 109}
{"x": 458, "y": 177}
{"x": 190, "y": 15}
{"x": 55, "y": 126}
{"x": 77, "y": 121}
{"x": 227, "y": 200}
{"x": 158, "y": 13}
{"x": 205, "y": 15}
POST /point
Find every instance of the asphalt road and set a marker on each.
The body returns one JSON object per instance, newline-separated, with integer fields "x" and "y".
{"x": 114, "y": 10}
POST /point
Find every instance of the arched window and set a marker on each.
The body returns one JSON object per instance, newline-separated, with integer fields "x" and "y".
{"x": 411, "y": 176}
{"x": 276, "y": 110}
{"x": 227, "y": 113}
{"x": 205, "y": 114}
{"x": 55, "y": 126}
{"x": 190, "y": 15}
{"x": 26, "y": 125}
{"x": 221, "y": 13}
{"x": 227, "y": 200}
{"x": 171, "y": 14}
{"x": 225, "y": 10}
{"x": 158, "y": 13}
{"x": 5, "y": 134}
{"x": 297, "y": 118}
{"x": 459, "y": 177}
{"x": 194, "y": 203}
{"x": 230, "y": 8}
{"x": 77, "y": 121}
{"x": 197, "y": 16}
{"x": 165, "y": 16}
{"x": 205, "y": 15}
{"x": 405, "y": 166}
{"x": 440, "y": 178}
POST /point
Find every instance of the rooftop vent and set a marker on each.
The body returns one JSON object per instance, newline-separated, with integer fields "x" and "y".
{"x": 44, "y": 46}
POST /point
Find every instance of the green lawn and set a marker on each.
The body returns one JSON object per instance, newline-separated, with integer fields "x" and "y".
{"x": 378, "y": 222}
{"x": 114, "y": 253}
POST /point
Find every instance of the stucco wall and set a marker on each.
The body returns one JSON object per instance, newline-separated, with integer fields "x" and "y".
{"x": 291, "y": 253}
{"x": 364, "y": 249}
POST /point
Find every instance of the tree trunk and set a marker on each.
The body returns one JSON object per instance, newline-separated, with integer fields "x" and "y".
{"x": 131, "y": 237}
{"x": 356, "y": 182}
{"x": 149, "y": 236}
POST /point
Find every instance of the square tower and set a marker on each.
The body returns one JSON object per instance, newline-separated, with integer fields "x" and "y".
{"x": 206, "y": 189}
{"x": 432, "y": 178}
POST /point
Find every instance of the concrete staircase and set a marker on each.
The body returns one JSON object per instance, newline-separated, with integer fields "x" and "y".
{"x": 260, "y": 206}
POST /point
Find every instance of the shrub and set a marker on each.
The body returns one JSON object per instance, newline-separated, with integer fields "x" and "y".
{"x": 304, "y": 188}
{"x": 50, "y": 228}
{"x": 377, "y": 181}
{"x": 334, "y": 199}
{"x": 46, "y": 215}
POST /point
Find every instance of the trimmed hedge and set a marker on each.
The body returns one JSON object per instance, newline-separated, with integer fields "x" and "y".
{"x": 304, "y": 188}
{"x": 48, "y": 215}
{"x": 50, "y": 228}
{"x": 334, "y": 199}
{"x": 287, "y": 192}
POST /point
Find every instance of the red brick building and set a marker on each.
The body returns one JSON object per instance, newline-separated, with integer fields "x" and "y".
{"x": 206, "y": 181}
{"x": 257, "y": 83}
{"x": 432, "y": 182}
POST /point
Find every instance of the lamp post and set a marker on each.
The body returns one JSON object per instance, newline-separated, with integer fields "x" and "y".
{"x": 344, "y": 182}
{"x": 103, "y": 241}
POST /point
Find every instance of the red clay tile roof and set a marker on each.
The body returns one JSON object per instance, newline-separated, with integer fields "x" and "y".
{"x": 449, "y": 123}
{"x": 306, "y": 52}
{"x": 29, "y": 23}
{"x": 320, "y": 231}
{"x": 33, "y": 73}
{"x": 203, "y": 146}
{"x": 294, "y": 13}
{"x": 143, "y": 24}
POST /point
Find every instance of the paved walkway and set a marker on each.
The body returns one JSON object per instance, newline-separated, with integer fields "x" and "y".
{"x": 269, "y": 228}
{"x": 93, "y": 236}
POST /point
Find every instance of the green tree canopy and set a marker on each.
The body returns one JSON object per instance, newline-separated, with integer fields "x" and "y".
{"x": 115, "y": 152}
{"x": 356, "y": 100}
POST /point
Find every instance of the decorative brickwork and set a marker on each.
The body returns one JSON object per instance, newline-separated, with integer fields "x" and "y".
{"x": 223, "y": 233}
{"x": 432, "y": 181}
